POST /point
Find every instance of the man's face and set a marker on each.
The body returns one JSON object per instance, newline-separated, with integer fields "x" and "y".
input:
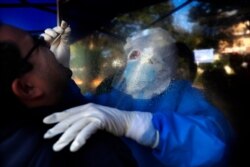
{"x": 53, "y": 76}
{"x": 47, "y": 73}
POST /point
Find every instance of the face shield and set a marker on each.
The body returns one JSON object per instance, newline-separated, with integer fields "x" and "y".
{"x": 151, "y": 64}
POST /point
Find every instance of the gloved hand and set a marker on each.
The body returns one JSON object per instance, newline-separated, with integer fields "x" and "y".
{"x": 58, "y": 38}
{"x": 79, "y": 123}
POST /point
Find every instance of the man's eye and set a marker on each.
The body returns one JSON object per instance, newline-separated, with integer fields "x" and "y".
{"x": 46, "y": 44}
{"x": 43, "y": 43}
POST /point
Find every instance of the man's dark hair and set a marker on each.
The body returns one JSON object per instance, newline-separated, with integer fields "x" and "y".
{"x": 11, "y": 66}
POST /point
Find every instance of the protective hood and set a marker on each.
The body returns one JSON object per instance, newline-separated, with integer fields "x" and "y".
{"x": 151, "y": 64}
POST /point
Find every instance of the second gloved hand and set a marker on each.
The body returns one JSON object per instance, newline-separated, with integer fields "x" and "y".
{"x": 79, "y": 123}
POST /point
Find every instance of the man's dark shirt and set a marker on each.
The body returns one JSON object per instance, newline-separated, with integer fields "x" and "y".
{"x": 22, "y": 143}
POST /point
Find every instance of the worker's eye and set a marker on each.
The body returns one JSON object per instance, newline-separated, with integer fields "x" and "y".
{"x": 134, "y": 54}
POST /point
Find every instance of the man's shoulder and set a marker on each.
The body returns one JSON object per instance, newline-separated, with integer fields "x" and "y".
{"x": 105, "y": 149}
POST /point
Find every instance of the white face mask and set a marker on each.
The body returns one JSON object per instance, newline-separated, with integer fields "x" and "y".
{"x": 149, "y": 68}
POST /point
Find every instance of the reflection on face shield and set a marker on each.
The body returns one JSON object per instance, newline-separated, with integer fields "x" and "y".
{"x": 151, "y": 64}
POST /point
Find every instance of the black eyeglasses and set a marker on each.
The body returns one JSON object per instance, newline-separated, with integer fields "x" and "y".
{"x": 25, "y": 66}
{"x": 38, "y": 41}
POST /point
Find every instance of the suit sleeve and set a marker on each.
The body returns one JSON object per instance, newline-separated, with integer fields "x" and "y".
{"x": 196, "y": 137}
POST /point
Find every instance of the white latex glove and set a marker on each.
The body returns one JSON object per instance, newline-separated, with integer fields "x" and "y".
{"x": 58, "y": 38}
{"x": 79, "y": 123}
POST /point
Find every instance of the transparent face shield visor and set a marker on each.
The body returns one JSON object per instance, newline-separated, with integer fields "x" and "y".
{"x": 151, "y": 64}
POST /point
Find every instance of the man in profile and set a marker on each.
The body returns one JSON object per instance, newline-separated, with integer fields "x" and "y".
{"x": 32, "y": 85}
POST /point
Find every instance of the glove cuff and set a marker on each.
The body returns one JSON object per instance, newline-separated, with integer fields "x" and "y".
{"x": 141, "y": 129}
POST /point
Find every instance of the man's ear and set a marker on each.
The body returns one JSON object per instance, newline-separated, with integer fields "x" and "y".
{"x": 25, "y": 89}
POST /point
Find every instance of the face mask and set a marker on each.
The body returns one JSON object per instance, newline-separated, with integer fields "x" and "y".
{"x": 138, "y": 76}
